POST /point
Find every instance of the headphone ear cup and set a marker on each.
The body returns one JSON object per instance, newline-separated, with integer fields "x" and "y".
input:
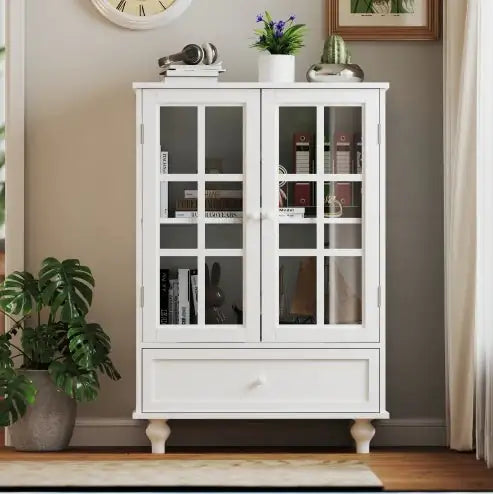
{"x": 210, "y": 53}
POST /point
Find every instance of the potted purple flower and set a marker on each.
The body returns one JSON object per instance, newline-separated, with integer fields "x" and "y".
{"x": 279, "y": 41}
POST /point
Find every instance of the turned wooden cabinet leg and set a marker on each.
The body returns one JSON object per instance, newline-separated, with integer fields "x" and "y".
{"x": 158, "y": 432}
{"x": 362, "y": 432}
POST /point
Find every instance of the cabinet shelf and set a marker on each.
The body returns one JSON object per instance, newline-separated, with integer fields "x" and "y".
{"x": 313, "y": 177}
{"x": 326, "y": 252}
{"x": 208, "y": 177}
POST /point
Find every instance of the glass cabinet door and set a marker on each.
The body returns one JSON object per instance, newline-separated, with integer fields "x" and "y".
{"x": 320, "y": 204}
{"x": 201, "y": 242}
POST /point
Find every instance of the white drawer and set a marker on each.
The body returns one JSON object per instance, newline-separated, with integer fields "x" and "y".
{"x": 271, "y": 381}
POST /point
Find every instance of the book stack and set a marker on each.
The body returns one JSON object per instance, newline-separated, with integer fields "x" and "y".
{"x": 219, "y": 203}
{"x": 181, "y": 73}
{"x": 343, "y": 153}
{"x": 178, "y": 296}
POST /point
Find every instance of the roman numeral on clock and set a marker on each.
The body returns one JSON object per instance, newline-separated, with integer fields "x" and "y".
{"x": 141, "y": 10}
{"x": 121, "y": 6}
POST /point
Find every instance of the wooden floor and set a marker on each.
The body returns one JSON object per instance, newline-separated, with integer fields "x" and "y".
{"x": 399, "y": 469}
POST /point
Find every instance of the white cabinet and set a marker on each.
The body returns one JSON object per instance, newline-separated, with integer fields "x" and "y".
{"x": 260, "y": 254}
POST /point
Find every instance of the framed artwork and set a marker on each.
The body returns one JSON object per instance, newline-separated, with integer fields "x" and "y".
{"x": 385, "y": 19}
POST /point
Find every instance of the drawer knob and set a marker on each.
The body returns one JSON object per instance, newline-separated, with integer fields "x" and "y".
{"x": 260, "y": 381}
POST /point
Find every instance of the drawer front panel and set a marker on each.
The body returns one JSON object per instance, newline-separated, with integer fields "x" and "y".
{"x": 238, "y": 380}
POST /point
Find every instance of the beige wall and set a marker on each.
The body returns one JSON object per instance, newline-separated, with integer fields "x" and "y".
{"x": 80, "y": 170}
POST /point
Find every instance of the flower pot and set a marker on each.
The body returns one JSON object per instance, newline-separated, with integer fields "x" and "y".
{"x": 49, "y": 422}
{"x": 276, "y": 68}
{"x": 334, "y": 72}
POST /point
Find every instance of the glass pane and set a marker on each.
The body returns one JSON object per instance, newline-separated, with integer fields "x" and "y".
{"x": 224, "y": 200}
{"x": 297, "y": 290}
{"x": 342, "y": 199}
{"x": 343, "y": 144}
{"x": 223, "y": 290}
{"x": 297, "y": 200}
{"x": 178, "y": 236}
{"x": 224, "y": 236}
{"x": 178, "y": 139}
{"x": 178, "y": 199}
{"x": 224, "y": 139}
{"x": 342, "y": 236}
{"x": 343, "y": 289}
{"x": 297, "y": 130}
{"x": 297, "y": 236}
{"x": 178, "y": 291}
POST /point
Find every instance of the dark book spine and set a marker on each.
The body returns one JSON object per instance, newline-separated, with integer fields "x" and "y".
{"x": 193, "y": 296}
{"x": 164, "y": 297}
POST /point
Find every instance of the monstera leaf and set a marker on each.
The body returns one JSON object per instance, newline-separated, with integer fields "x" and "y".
{"x": 5, "y": 355}
{"x": 17, "y": 392}
{"x": 66, "y": 287}
{"x": 88, "y": 344}
{"x": 19, "y": 293}
{"x": 40, "y": 345}
{"x": 80, "y": 384}
{"x": 107, "y": 367}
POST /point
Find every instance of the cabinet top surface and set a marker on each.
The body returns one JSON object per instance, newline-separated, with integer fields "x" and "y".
{"x": 262, "y": 85}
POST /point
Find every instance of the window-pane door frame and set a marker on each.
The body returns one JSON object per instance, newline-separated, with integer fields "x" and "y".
{"x": 152, "y": 101}
{"x": 369, "y": 102}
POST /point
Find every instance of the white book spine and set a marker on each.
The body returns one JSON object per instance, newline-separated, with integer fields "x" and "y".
{"x": 215, "y": 194}
{"x": 195, "y": 292}
{"x": 163, "y": 164}
{"x": 164, "y": 199}
{"x": 171, "y": 309}
{"x": 183, "y": 296}
{"x": 292, "y": 210}
{"x": 210, "y": 214}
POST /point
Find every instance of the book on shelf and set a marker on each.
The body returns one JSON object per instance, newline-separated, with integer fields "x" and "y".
{"x": 302, "y": 144}
{"x": 215, "y": 193}
{"x": 184, "y": 296}
{"x": 211, "y": 204}
{"x": 327, "y": 158}
{"x": 163, "y": 170}
{"x": 290, "y": 211}
{"x": 164, "y": 200}
{"x": 164, "y": 297}
{"x": 302, "y": 194}
{"x": 358, "y": 151}
{"x": 194, "y": 291}
{"x": 163, "y": 163}
{"x": 172, "y": 294}
{"x": 342, "y": 153}
{"x": 209, "y": 214}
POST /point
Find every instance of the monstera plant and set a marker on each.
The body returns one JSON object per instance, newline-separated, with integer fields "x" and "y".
{"x": 50, "y": 332}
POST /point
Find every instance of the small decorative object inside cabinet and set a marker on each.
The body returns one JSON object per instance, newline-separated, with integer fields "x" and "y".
{"x": 261, "y": 254}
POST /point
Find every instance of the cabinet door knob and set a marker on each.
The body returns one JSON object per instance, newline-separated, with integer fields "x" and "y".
{"x": 260, "y": 381}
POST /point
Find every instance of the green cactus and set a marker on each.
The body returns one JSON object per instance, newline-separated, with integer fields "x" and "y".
{"x": 336, "y": 51}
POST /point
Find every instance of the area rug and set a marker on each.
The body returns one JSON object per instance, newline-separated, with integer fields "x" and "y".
{"x": 182, "y": 474}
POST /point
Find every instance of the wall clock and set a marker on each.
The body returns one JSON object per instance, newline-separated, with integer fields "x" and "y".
{"x": 141, "y": 14}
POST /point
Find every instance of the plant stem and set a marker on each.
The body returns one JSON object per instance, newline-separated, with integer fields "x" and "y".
{"x": 19, "y": 350}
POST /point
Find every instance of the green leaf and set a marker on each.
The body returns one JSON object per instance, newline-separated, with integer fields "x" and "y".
{"x": 80, "y": 384}
{"x": 16, "y": 394}
{"x": 5, "y": 353}
{"x": 66, "y": 287}
{"x": 19, "y": 293}
{"x": 40, "y": 344}
{"x": 88, "y": 344}
{"x": 109, "y": 369}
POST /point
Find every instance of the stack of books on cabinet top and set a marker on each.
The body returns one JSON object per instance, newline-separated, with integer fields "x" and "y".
{"x": 181, "y": 73}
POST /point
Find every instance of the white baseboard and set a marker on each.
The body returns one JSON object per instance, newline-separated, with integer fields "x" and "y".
{"x": 210, "y": 433}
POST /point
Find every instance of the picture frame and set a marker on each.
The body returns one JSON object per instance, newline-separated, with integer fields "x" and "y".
{"x": 379, "y": 20}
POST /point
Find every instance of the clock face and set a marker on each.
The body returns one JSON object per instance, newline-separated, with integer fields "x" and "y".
{"x": 141, "y": 14}
{"x": 142, "y": 7}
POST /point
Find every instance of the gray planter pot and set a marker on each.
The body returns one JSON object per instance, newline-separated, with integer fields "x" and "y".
{"x": 49, "y": 423}
{"x": 333, "y": 72}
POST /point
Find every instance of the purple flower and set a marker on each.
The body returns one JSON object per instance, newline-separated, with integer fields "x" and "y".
{"x": 260, "y": 18}
{"x": 280, "y": 25}
{"x": 292, "y": 17}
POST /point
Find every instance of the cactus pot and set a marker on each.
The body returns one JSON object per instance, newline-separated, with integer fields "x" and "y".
{"x": 335, "y": 72}
{"x": 276, "y": 68}
{"x": 49, "y": 423}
